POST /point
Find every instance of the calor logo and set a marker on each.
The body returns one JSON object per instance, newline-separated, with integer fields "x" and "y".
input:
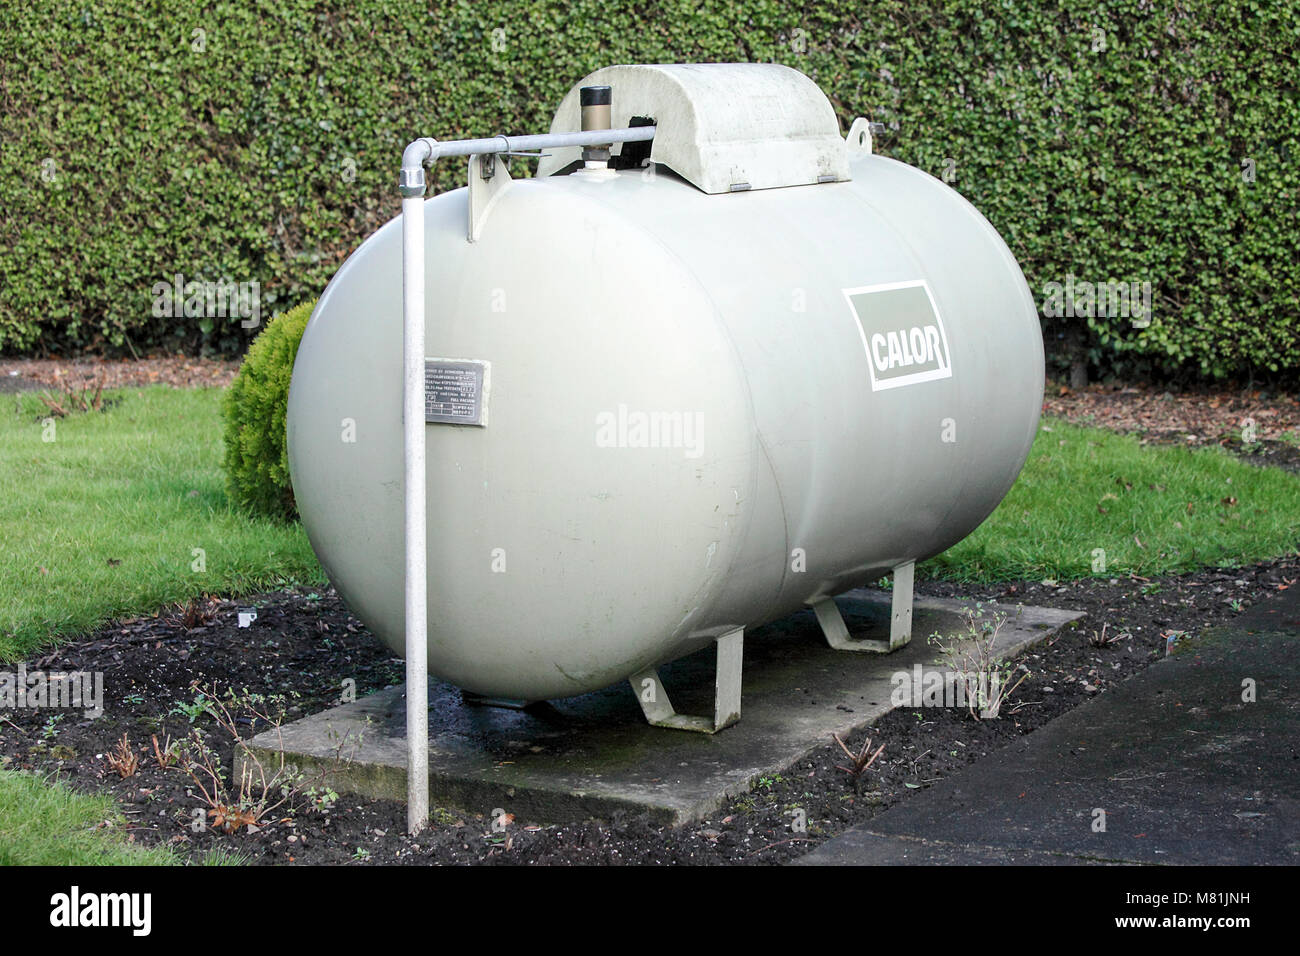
{"x": 902, "y": 333}
{"x": 907, "y": 347}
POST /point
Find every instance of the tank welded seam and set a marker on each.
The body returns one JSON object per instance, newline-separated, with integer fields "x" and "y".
{"x": 785, "y": 522}
{"x": 962, "y": 474}
{"x": 1009, "y": 262}
{"x": 1013, "y": 267}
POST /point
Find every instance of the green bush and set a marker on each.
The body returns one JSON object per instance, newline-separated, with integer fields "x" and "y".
{"x": 257, "y": 457}
{"x": 1105, "y": 139}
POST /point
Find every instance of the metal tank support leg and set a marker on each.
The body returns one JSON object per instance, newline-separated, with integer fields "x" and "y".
{"x": 900, "y": 612}
{"x": 900, "y": 618}
{"x": 658, "y": 709}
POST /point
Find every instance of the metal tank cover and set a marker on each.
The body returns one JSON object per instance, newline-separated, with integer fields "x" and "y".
{"x": 714, "y": 364}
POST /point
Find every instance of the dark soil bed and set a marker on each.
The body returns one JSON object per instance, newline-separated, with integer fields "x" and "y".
{"x": 305, "y": 643}
{"x": 1210, "y": 416}
{"x": 1275, "y": 453}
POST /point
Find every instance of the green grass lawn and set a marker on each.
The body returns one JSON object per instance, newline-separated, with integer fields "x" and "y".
{"x": 104, "y": 521}
{"x": 44, "y": 823}
{"x": 1152, "y": 510}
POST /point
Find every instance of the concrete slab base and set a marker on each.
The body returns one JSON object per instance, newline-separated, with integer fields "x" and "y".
{"x": 595, "y": 756}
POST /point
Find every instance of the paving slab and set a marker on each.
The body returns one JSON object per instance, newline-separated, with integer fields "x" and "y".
{"x": 1187, "y": 769}
{"x": 594, "y": 756}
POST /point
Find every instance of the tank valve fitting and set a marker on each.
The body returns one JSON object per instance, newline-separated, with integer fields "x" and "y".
{"x": 596, "y": 114}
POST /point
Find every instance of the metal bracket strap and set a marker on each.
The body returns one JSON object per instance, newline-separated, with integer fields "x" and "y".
{"x": 489, "y": 177}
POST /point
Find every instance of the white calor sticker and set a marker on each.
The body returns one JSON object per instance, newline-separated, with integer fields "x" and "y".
{"x": 902, "y": 332}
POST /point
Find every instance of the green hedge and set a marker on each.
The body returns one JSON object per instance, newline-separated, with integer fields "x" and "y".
{"x": 264, "y": 147}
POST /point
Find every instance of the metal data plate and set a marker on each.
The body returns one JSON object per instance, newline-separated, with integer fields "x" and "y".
{"x": 456, "y": 391}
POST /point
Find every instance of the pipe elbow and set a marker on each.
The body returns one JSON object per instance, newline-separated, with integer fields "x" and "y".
{"x": 414, "y": 157}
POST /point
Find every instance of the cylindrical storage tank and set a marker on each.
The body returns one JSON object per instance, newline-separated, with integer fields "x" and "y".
{"x": 702, "y": 410}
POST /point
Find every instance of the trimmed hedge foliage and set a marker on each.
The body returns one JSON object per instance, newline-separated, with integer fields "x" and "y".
{"x": 1105, "y": 139}
{"x": 255, "y": 408}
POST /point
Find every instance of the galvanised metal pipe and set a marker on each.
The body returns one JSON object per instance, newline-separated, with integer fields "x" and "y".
{"x": 423, "y": 151}
{"x": 411, "y": 185}
{"x": 417, "y": 711}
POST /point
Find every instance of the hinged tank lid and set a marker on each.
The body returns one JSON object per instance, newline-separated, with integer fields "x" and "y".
{"x": 721, "y": 126}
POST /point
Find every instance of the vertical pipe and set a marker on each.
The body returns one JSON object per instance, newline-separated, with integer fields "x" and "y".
{"x": 417, "y": 697}
{"x": 411, "y": 185}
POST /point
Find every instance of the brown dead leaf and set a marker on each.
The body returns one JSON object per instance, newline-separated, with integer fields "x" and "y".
{"x": 231, "y": 819}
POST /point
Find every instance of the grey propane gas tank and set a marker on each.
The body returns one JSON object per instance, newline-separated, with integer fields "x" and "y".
{"x": 697, "y": 411}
